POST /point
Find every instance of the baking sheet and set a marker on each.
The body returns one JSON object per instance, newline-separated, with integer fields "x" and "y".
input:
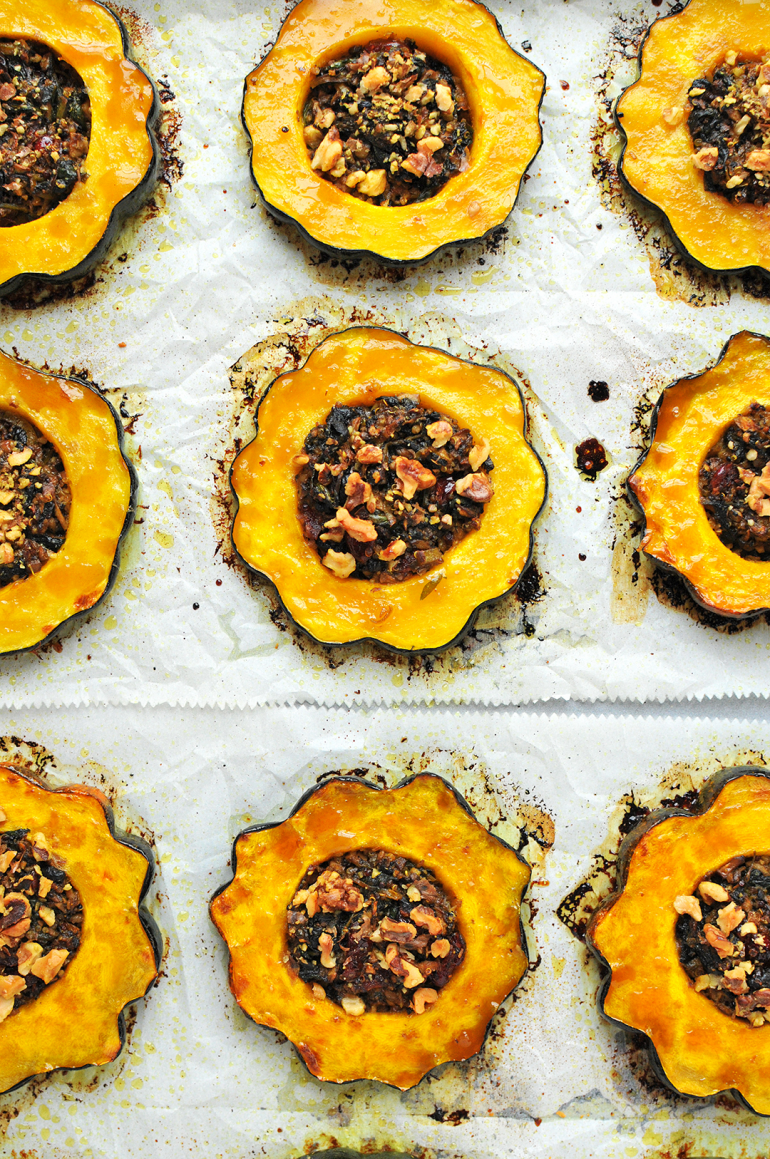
{"x": 198, "y": 1077}
{"x": 204, "y": 275}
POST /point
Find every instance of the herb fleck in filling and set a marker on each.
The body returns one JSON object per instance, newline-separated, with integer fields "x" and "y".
{"x": 41, "y": 918}
{"x": 34, "y": 499}
{"x": 386, "y": 490}
{"x": 729, "y": 122}
{"x": 373, "y": 931}
{"x": 45, "y": 128}
{"x": 734, "y": 484}
{"x": 388, "y": 123}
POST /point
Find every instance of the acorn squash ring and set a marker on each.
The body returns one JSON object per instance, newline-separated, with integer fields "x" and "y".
{"x": 504, "y": 89}
{"x": 87, "y": 433}
{"x": 655, "y": 163}
{"x": 687, "y": 421}
{"x": 355, "y": 367}
{"x": 427, "y": 821}
{"x": 696, "y": 1049}
{"x": 120, "y": 952}
{"x": 123, "y": 157}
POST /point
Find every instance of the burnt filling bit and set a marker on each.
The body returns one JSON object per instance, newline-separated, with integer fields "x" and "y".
{"x": 384, "y": 491}
{"x": 387, "y": 123}
{"x": 723, "y": 936}
{"x": 41, "y": 918}
{"x": 34, "y": 499}
{"x": 45, "y": 128}
{"x": 373, "y": 931}
{"x": 729, "y": 122}
{"x": 734, "y": 484}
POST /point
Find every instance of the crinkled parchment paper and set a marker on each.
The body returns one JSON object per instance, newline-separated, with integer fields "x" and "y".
{"x": 205, "y": 276}
{"x": 197, "y": 1077}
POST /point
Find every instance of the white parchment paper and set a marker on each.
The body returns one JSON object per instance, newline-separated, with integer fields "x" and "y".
{"x": 208, "y": 275}
{"x": 198, "y": 1077}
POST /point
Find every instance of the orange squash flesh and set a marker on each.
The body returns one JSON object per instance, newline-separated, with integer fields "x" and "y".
{"x": 700, "y": 1049}
{"x": 83, "y": 428}
{"x": 122, "y": 155}
{"x": 504, "y": 91}
{"x": 691, "y": 416}
{"x": 354, "y": 368}
{"x": 657, "y": 159}
{"x": 424, "y": 820}
{"x": 76, "y": 1020}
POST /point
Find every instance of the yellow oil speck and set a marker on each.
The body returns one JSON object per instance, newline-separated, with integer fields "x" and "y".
{"x": 84, "y": 753}
{"x": 175, "y": 61}
{"x": 128, "y": 291}
{"x": 136, "y": 582}
{"x": 120, "y": 1083}
{"x": 72, "y": 328}
{"x": 164, "y": 247}
{"x": 9, "y": 336}
{"x": 70, "y": 1142}
{"x": 165, "y": 486}
{"x": 130, "y": 595}
{"x": 448, "y": 290}
{"x": 166, "y": 36}
{"x": 481, "y": 277}
{"x": 151, "y": 571}
{"x": 164, "y": 539}
{"x": 137, "y": 1084}
{"x": 652, "y": 1138}
{"x": 27, "y": 335}
{"x": 183, "y": 917}
{"x": 177, "y": 470}
{"x": 422, "y": 289}
{"x": 631, "y": 1151}
{"x": 45, "y": 1133}
{"x": 44, "y": 1113}
{"x": 150, "y": 1048}
{"x": 72, "y": 1109}
{"x": 398, "y": 679}
{"x": 558, "y": 966}
{"x": 111, "y": 623}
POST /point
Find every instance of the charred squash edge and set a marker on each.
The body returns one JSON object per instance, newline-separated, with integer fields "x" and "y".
{"x": 132, "y": 202}
{"x": 127, "y": 524}
{"x": 467, "y": 627}
{"x": 149, "y": 924}
{"x": 618, "y": 118}
{"x": 667, "y": 567}
{"x": 706, "y": 798}
{"x": 261, "y": 827}
{"x": 358, "y": 254}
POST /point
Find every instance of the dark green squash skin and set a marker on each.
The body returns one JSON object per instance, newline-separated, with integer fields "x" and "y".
{"x": 618, "y": 118}
{"x": 148, "y": 922}
{"x": 125, "y": 208}
{"x": 667, "y": 567}
{"x": 708, "y": 794}
{"x": 356, "y": 256}
{"x": 468, "y": 625}
{"x": 259, "y": 827}
{"x": 127, "y": 524}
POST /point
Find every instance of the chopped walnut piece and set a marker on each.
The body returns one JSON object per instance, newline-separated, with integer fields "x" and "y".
{"x": 414, "y": 477}
{"x": 26, "y": 956}
{"x": 374, "y": 184}
{"x": 341, "y": 563}
{"x": 747, "y": 928}
{"x": 369, "y": 454}
{"x": 375, "y": 79}
{"x": 711, "y": 891}
{"x": 49, "y": 966}
{"x": 477, "y": 487}
{"x": 326, "y": 944}
{"x": 362, "y": 530}
{"x": 318, "y": 990}
{"x": 721, "y": 944}
{"x": 328, "y": 152}
{"x": 19, "y": 458}
{"x": 735, "y": 980}
{"x": 440, "y": 948}
{"x": 758, "y": 160}
{"x": 759, "y": 491}
{"x": 673, "y": 115}
{"x": 397, "y": 931}
{"x": 444, "y": 98}
{"x": 422, "y": 998}
{"x": 440, "y": 432}
{"x": 479, "y": 455}
{"x": 395, "y": 548}
{"x": 11, "y": 985}
{"x": 422, "y": 916}
{"x": 353, "y": 1005}
{"x": 47, "y": 914}
{"x": 413, "y": 893}
{"x": 44, "y": 887}
{"x": 730, "y": 918}
{"x": 706, "y": 158}
{"x": 687, "y": 904}
{"x": 358, "y": 491}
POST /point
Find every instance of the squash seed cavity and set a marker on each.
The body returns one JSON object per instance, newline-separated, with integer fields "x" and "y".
{"x": 384, "y": 491}
{"x": 734, "y": 484}
{"x": 45, "y": 129}
{"x": 41, "y": 918}
{"x": 35, "y": 499}
{"x": 387, "y": 123}
{"x": 374, "y": 931}
{"x": 723, "y": 937}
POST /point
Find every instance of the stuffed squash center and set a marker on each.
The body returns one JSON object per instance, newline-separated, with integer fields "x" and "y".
{"x": 41, "y": 918}
{"x": 374, "y": 931}
{"x": 45, "y": 130}
{"x": 723, "y": 937}
{"x": 384, "y": 491}
{"x": 387, "y": 123}
{"x": 729, "y": 122}
{"x": 734, "y": 484}
{"x": 35, "y": 499}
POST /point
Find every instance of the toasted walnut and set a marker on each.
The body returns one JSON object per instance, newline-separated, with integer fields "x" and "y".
{"x": 758, "y": 160}
{"x": 440, "y": 948}
{"x": 477, "y": 487}
{"x": 325, "y": 944}
{"x": 479, "y": 455}
{"x": 362, "y": 530}
{"x": 422, "y": 998}
{"x": 369, "y": 454}
{"x": 48, "y": 967}
{"x": 422, "y": 916}
{"x": 358, "y": 491}
{"x": 395, "y": 548}
{"x": 414, "y": 477}
{"x": 26, "y": 956}
{"x": 730, "y": 918}
{"x": 673, "y": 115}
{"x": 353, "y": 1005}
{"x": 444, "y": 98}
{"x": 440, "y": 432}
{"x": 375, "y": 79}
{"x": 328, "y": 152}
{"x": 711, "y": 891}
{"x": 706, "y": 158}
{"x": 341, "y": 563}
{"x": 687, "y": 904}
{"x": 721, "y": 944}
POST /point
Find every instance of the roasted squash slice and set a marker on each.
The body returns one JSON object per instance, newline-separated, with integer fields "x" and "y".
{"x": 77, "y": 1020}
{"x": 354, "y": 368}
{"x": 698, "y": 1049}
{"x": 504, "y": 91}
{"x": 86, "y": 432}
{"x": 718, "y": 234}
{"x": 123, "y": 156}
{"x": 688, "y": 420}
{"x": 425, "y": 820}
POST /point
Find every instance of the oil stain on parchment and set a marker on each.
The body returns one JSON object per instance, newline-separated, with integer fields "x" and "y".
{"x": 310, "y": 321}
{"x": 679, "y": 787}
{"x": 676, "y": 277}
